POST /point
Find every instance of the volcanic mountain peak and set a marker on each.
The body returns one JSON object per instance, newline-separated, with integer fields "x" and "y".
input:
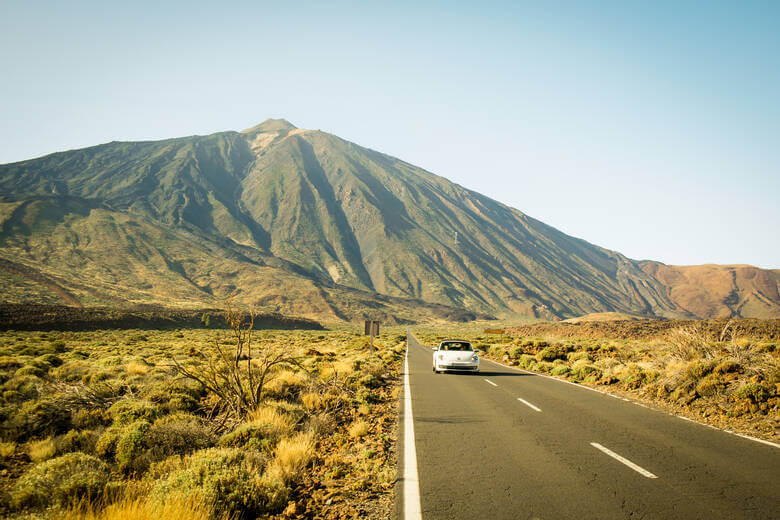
{"x": 303, "y": 221}
{"x": 271, "y": 126}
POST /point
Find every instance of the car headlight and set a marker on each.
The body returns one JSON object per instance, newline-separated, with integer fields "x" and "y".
{"x": 441, "y": 356}
{"x": 475, "y": 357}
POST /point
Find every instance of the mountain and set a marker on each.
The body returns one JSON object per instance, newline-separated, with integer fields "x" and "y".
{"x": 718, "y": 291}
{"x": 300, "y": 221}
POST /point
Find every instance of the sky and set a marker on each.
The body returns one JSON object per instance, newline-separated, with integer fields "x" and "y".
{"x": 649, "y": 128}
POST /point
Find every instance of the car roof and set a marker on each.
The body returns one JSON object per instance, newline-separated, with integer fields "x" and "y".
{"x": 458, "y": 340}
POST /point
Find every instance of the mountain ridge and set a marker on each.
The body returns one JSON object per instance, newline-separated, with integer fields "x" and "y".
{"x": 323, "y": 214}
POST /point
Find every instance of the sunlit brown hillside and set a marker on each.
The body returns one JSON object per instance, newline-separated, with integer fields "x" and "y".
{"x": 716, "y": 291}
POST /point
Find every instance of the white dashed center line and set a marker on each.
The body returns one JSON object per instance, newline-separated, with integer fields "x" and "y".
{"x": 624, "y": 460}
{"x": 491, "y": 382}
{"x": 529, "y": 405}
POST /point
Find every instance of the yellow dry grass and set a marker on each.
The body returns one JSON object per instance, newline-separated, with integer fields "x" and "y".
{"x": 135, "y": 368}
{"x": 311, "y": 401}
{"x": 41, "y": 450}
{"x": 142, "y": 508}
{"x": 358, "y": 429}
{"x": 338, "y": 369}
{"x": 283, "y": 379}
{"x": 7, "y": 449}
{"x": 280, "y": 423}
{"x": 291, "y": 456}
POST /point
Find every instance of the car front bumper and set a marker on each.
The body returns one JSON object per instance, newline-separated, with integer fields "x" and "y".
{"x": 459, "y": 367}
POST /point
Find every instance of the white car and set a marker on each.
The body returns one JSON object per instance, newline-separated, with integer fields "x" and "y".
{"x": 455, "y": 354}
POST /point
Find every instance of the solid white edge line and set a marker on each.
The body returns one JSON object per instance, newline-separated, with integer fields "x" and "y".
{"x": 762, "y": 441}
{"x": 624, "y": 460}
{"x": 491, "y": 382}
{"x": 412, "y": 508}
{"x": 748, "y": 437}
{"x": 529, "y": 405}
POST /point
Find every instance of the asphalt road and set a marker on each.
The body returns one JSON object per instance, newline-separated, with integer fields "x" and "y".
{"x": 505, "y": 444}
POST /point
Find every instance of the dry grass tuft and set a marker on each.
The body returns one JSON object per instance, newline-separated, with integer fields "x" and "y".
{"x": 339, "y": 369}
{"x": 134, "y": 368}
{"x": 7, "y": 449}
{"x": 142, "y": 508}
{"x": 278, "y": 422}
{"x": 311, "y": 401}
{"x": 283, "y": 379}
{"x": 691, "y": 343}
{"x": 291, "y": 456}
{"x": 42, "y": 450}
{"x": 358, "y": 429}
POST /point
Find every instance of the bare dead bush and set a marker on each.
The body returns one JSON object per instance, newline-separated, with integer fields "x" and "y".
{"x": 691, "y": 343}
{"x": 236, "y": 371}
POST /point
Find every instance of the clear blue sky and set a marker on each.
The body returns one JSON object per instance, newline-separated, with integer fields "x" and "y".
{"x": 648, "y": 127}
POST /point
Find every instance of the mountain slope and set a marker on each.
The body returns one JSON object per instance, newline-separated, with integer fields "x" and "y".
{"x": 300, "y": 221}
{"x": 720, "y": 291}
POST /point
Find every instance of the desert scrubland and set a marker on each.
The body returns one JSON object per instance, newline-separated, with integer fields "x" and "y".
{"x": 197, "y": 424}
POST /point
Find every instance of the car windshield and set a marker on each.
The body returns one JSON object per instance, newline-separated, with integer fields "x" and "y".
{"x": 455, "y": 345}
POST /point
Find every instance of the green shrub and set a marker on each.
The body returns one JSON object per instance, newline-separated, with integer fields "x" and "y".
{"x": 72, "y": 371}
{"x": 30, "y": 370}
{"x": 38, "y": 419}
{"x": 526, "y": 361}
{"x": 583, "y": 371}
{"x": 225, "y": 478}
{"x": 77, "y": 440}
{"x": 178, "y": 434}
{"x": 9, "y": 363}
{"x": 59, "y": 347}
{"x": 25, "y": 387}
{"x": 127, "y": 411}
{"x": 369, "y": 381}
{"x": 544, "y": 367}
{"x": 683, "y": 393}
{"x": 727, "y": 366}
{"x": 364, "y": 395}
{"x": 250, "y": 435}
{"x": 756, "y": 392}
{"x": 699, "y": 369}
{"x": 710, "y": 385}
{"x": 560, "y": 370}
{"x": 496, "y": 351}
{"x": 62, "y": 480}
{"x": 105, "y": 447}
{"x": 638, "y": 377}
{"x": 516, "y": 351}
{"x": 577, "y": 356}
{"x": 182, "y": 403}
{"x": 550, "y": 354}
{"x": 49, "y": 360}
{"x": 131, "y": 448}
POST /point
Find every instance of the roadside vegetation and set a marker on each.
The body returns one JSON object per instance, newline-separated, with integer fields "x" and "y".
{"x": 197, "y": 424}
{"x": 726, "y": 375}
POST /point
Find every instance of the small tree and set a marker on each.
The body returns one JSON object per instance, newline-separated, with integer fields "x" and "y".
{"x": 235, "y": 375}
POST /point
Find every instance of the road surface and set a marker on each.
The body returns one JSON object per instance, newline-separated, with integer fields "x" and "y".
{"x": 506, "y": 444}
